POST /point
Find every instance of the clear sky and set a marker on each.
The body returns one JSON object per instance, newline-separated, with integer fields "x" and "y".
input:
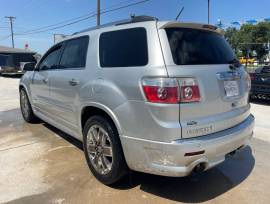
{"x": 32, "y": 14}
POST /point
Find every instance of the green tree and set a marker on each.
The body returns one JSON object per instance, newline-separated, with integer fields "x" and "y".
{"x": 261, "y": 35}
{"x": 232, "y": 37}
{"x": 250, "y": 38}
{"x": 245, "y": 38}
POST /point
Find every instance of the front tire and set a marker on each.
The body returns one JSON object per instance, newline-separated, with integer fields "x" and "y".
{"x": 103, "y": 150}
{"x": 26, "y": 108}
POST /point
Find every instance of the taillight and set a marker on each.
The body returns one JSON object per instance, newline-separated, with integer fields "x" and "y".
{"x": 161, "y": 90}
{"x": 171, "y": 90}
{"x": 189, "y": 90}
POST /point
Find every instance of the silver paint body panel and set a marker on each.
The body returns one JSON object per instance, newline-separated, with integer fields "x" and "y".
{"x": 154, "y": 136}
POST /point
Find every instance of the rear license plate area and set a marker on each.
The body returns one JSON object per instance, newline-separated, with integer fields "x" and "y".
{"x": 231, "y": 88}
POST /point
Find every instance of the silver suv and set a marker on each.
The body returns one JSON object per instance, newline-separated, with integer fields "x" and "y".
{"x": 166, "y": 98}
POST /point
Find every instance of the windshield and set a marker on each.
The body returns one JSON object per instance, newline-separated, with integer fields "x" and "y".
{"x": 193, "y": 47}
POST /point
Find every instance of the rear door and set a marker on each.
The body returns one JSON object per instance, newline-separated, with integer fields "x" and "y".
{"x": 66, "y": 80}
{"x": 206, "y": 57}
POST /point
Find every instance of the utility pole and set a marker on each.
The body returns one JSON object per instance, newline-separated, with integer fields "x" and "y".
{"x": 11, "y": 18}
{"x": 98, "y": 12}
{"x": 208, "y": 11}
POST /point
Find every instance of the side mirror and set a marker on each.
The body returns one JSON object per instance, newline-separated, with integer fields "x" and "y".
{"x": 29, "y": 66}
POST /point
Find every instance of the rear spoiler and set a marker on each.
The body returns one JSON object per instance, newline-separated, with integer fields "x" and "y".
{"x": 177, "y": 24}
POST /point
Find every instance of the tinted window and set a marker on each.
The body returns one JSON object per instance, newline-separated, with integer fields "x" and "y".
{"x": 23, "y": 57}
{"x": 4, "y": 60}
{"x": 123, "y": 48}
{"x": 74, "y": 54}
{"x": 266, "y": 69}
{"x": 191, "y": 46}
{"x": 51, "y": 59}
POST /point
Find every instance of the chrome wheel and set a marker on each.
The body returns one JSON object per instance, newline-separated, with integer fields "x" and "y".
{"x": 24, "y": 104}
{"x": 99, "y": 149}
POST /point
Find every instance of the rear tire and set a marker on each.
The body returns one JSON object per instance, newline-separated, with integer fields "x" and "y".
{"x": 26, "y": 108}
{"x": 103, "y": 150}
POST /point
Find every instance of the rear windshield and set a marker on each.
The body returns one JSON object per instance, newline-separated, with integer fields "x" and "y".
{"x": 193, "y": 47}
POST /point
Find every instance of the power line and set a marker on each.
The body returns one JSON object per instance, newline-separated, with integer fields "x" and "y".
{"x": 5, "y": 37}
{"x": 11, "y": 18}
{"x": 83, "y": 19}
{"x": 72, "y": 19}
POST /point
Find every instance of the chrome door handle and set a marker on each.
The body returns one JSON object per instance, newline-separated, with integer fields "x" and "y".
{"x": 73, "y": 82}
{"x": 45, "y": 81}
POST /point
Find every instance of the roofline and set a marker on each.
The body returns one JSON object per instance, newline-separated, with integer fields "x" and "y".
{"x": 199, "y": 26}
{"x": 164, "y": 24}
{"x": 133, "y": 19}
{"x": 17, "y": 52}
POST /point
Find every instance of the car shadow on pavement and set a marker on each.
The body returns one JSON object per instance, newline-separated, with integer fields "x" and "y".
{"x": 199, "y": 187}
{"x": 15, "y": 76}
{"x": 65, "y": 136}
{"x": 260, "y": 102}
{"x": 196, "y": 188}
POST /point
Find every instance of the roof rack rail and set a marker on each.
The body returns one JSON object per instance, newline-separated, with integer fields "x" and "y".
{"x": 133, "y": 19}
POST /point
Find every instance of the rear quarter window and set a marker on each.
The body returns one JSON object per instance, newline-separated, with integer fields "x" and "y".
{"x": 123, "y": 48}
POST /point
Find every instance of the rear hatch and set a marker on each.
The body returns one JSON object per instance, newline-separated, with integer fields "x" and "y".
{"x": 205, "y": 56}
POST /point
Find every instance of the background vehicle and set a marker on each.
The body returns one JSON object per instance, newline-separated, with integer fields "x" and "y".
{"x": 161, "y": 97}
{"x": 12, "y": 60}
{"x": 260, "y": 83}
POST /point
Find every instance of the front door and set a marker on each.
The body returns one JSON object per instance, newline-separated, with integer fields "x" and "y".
{"x": 40, "y": 84}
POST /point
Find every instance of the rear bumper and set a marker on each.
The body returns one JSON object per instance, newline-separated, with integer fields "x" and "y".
{"x": 168, "y": 159}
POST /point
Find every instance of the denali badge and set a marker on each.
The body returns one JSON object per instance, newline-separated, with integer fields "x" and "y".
{"x": 200, "y": 131}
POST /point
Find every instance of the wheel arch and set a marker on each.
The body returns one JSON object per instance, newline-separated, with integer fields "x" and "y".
{"x": 97, "y": 109}
{"x": 22, "y": 86}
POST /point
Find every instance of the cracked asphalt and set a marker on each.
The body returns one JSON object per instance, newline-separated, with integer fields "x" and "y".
{"x": 41, "y": 164}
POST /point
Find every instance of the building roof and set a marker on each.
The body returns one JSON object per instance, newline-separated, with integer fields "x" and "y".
{"x": 4, "y": 49}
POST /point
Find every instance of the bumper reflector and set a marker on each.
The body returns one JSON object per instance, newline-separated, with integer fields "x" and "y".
{"x": 189, "y": 154}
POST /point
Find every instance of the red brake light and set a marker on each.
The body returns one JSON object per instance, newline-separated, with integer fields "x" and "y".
{"x": 170, "y": 90}
{"x": 189, "y": 90}
{"x": 161, "y": 90}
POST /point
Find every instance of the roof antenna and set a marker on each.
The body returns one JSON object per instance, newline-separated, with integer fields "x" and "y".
{"x": 132, "y": 15}
{"x": 179, "y": 13}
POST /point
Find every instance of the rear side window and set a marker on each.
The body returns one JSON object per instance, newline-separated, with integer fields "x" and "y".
{"x": 123, "y": 48}
{"x": 194, "y": 47}
{"x": 74, "y": 54}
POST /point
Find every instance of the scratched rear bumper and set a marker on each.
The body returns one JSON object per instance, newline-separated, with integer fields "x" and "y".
{"x": 168, "y": 159}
